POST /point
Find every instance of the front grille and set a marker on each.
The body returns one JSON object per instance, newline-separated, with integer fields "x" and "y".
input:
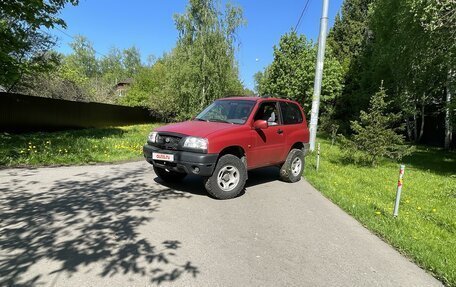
{"x": 168, "y": 142}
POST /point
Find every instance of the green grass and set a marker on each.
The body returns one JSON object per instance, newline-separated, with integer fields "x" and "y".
{"x": 73, "y": 147}
{"x": 425, "y": 229}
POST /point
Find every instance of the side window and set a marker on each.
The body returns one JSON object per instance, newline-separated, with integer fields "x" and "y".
{"x": 268, "y": 112}
{"x": 291, "y": 113}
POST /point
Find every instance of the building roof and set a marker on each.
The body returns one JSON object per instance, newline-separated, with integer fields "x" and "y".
{"x": 126, "y": 81}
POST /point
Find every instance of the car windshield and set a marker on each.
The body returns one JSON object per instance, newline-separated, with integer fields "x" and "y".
{"x": 227, "y": 111}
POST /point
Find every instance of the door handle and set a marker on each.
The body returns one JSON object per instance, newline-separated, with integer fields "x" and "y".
{"x": 279, "y": 131}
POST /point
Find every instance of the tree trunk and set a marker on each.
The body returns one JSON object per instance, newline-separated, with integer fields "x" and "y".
{"x": 423, "y": 100}
{"x": 409, "y": 130}
{"x": 203, "y": 100}
{"x": 448, "y": 128}
{"x": 415, "y": 126}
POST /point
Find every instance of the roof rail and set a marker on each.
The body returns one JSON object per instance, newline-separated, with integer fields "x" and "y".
{"x": 277, "y": 96}
{"x": 236, "y": 96}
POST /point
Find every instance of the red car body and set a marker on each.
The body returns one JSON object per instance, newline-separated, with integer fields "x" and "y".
{"x": 259, "y": 147}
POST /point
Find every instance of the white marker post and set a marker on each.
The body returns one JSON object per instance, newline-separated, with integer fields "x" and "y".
{"x": 318, "y": 156}
{"x": 399, "y": 190}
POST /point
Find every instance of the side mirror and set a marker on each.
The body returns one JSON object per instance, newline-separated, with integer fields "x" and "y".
{"x": 260, "y": 125}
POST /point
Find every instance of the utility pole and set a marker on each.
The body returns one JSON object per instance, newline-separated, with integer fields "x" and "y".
{"x": 318, "y": 75}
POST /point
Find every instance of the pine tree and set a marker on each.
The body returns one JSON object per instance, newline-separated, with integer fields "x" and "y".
{"x": 376, "y": 134}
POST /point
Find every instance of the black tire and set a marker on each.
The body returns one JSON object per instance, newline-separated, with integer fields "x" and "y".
{"x": 169, "y": 175}
{"x": 226, "y": 166}
{"x": 286, "y": 171}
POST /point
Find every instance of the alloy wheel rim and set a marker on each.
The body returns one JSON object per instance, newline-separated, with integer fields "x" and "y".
{"x": 228, "y": 178}
{"x": 296, "y": 166}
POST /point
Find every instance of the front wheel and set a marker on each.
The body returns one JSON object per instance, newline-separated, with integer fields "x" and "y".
{"x": 169, "y": 175}
{"x": 228, "y": 179}
{"x": 293, "y": 166}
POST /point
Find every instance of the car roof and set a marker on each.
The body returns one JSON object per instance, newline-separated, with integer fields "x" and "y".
{"x": 239, "y": 98}
{"x": 257, "y": 98}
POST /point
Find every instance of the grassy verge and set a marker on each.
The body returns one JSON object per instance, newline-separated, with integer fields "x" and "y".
{"x": 73, "y": 147}
{"x": 426, "y": 227}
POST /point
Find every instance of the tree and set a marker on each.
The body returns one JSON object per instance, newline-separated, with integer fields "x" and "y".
{"x": 438, "y": 19}
{"x": 348, "y": 39}
{"x": 258, "y": 80}
{"x": 81, "y": 67}
{"x": 348, "y": 36}
{"x": 83, "y": 58}
{"x": 291, "y": 74}
{"x": 376, "y": 134}
{"x": 412, "y": 59}
{"x": 202, "y": 66}
{"x": 131, "y": 61}
{"x": 406, "y": 45}
{"x": 24, "y": 47}
{"x": 149, "y": 88}
{"x": 93, "y": 77}
{"x": 50, "y": 84}
{"x": 81, "y": 76}
{"x": 111, "y": 67}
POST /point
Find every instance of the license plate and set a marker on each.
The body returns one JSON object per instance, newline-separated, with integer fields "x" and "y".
{"x": 163, "y": 156}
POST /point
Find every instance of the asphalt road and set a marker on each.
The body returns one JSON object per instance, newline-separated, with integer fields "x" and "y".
{"x": 118, "y": 225}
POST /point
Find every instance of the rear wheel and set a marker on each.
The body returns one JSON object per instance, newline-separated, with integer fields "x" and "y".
{"x": 169, "y": 175}
{"x": 293, "y": 166}
{"x": 228, "y": 178}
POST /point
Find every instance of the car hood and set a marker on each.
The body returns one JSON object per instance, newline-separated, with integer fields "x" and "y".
{"x": 196, "y": 128}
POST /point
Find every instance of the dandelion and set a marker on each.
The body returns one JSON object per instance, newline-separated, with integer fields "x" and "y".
{"x": 378, "y": 212}
{"x": 434, "y": 210}
{"x": 407, "y": 201}
{"x": 419, "y": 208}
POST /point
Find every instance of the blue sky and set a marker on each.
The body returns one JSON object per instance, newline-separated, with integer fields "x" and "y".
{"x": 149, "y": 25}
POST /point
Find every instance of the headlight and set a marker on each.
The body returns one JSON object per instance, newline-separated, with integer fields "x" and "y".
{"x": 196, "y": 143}
{"x": 153, "y": 137}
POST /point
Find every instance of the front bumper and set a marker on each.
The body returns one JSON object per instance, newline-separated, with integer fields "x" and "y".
{"x": 184, "y": 161}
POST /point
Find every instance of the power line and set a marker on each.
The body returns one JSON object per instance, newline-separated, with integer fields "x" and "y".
{"x": 302, "y": 14}
{"x": 72, "y": 37}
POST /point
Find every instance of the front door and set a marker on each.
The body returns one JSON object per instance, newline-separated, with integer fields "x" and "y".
{"x": 268, "y": 144}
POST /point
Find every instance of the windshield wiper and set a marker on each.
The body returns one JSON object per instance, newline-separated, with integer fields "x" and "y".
{"x": 198, "y": 119}
{"x": 219, "y": 121}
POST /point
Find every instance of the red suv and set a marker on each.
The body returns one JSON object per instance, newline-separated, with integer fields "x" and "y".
{"x": 230, "y": 137}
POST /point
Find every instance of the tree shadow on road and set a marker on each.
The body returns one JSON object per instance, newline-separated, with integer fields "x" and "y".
{"x": 81, "y": 221}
